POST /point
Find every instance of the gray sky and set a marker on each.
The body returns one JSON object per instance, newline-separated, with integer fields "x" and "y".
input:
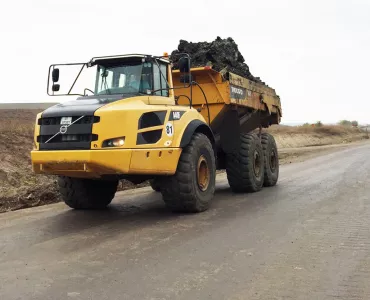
{"x": 315, "y": 53}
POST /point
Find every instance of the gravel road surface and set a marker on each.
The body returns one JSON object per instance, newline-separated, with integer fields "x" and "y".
{"x": 306, "y": 238}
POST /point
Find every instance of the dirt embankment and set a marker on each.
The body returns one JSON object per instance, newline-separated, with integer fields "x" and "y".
{"x": 20, "y": 188}
{"x": 299, "y": 143}
{"x": 288, "y": 137}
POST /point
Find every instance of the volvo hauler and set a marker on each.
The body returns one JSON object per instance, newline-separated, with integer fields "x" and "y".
{"x": 140, "y": 119}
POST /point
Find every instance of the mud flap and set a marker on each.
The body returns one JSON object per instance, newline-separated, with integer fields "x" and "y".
{"x": 230, "y": 132}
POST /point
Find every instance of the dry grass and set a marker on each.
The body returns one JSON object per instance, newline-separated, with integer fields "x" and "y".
{"x": 16, "y": 127}
{"x": 304, "y": 136}
{"x": 18, "y": 122}
{"x": 321, "y": 130}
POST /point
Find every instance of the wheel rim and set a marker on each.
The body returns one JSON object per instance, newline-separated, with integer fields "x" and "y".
{"x": 257, "y": 164}
{"x": 273, "y": 161}
{"x": 203, "y": 173}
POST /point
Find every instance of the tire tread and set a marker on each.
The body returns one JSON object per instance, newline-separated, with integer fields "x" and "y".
{"x": 178, "y": 191}
{"x": 239, "y": 167}
{"x": 80, "y": 193}
{"x": 267, "y": 140}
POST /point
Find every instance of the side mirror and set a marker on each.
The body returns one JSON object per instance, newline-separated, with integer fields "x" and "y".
{"x": 55, "y": 87}
{"x": 184, "y": 64}
{"x": 55, "y": 75}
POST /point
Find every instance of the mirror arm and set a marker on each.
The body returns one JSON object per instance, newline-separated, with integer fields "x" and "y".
{"x": 47, "y": 87}
{"x": 86, "y": 89}
{"x": 74, "y": 82}
{"x": 49, "y": 75}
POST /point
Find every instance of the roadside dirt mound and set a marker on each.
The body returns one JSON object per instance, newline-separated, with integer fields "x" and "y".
{"x": 306, "y": 136}
{"x": 19, "y": 187}
{"x": 36, "y": 195}
{"x": 221, "y": 54}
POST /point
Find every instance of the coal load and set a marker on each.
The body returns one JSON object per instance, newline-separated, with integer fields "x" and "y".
{"x": 221, "y": 54}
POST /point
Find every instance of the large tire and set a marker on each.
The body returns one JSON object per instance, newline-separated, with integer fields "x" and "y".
{"x": 87, "y": 193}
{"x": 245, "y": 170}
{"x": 271, "y": 159}
{"x": 192, "y": 187}
{"x": 155, "y": 184}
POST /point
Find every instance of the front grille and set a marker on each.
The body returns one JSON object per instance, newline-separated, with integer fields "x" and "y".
{"x": 77, "y": 136}
{"x": 56, "y": 120}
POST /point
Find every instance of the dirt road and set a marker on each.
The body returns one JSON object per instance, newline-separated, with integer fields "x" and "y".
{"x": 307, "y": 238}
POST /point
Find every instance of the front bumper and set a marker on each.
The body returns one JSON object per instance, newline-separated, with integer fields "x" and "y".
{"x": 96, "y": 163}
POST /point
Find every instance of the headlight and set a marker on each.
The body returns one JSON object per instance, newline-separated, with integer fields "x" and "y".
{"x": 116, "y": 142}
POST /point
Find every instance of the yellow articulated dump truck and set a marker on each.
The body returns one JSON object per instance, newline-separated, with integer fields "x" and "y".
{"x": 140, "y": 119}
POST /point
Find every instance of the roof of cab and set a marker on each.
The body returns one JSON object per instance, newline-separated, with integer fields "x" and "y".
{"x": 96, "y": 60}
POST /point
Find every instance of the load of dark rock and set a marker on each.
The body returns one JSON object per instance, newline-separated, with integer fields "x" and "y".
{"x": 221, "y": 54}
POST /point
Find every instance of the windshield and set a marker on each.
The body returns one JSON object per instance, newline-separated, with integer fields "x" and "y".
{"x": 124, "y": 79}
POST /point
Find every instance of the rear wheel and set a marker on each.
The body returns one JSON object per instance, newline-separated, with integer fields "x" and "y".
{"x": 192, "y": 187}
{"x": 271, "y": 159}
{"x": 245, "y": 169}
{"x": 87, "y": 193}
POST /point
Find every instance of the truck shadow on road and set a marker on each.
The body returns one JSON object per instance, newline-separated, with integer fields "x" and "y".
{"x": 139, "y": 217}
{"x": 129, "y": 213}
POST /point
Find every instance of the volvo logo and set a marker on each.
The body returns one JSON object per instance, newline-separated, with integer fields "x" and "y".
{"x": 63, "y": 129}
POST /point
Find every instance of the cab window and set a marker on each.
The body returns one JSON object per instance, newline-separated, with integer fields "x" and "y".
{"x": 160, "y": 80}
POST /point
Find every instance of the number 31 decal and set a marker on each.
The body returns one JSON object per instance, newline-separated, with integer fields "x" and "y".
{"x": 169, "y": 129}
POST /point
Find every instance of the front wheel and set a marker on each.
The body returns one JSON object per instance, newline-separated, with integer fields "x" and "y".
{"x": 192, "y": 187}
{"x": 87, "y": 193}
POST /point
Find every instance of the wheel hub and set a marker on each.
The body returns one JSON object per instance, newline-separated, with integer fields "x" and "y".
{"x": 257, "y": 164}
{"x": 273, "y": 161}
{"x": 203, "y": 173}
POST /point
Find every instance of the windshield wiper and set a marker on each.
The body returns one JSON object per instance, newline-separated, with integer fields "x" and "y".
{"x": 104, "y": 81}
{"x": 106, "y": 86}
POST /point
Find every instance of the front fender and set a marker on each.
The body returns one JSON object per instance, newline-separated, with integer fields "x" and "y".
{"x": 196, "y": 126}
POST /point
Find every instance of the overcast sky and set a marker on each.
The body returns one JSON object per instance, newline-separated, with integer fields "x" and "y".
{"x": 315, "y": 53}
